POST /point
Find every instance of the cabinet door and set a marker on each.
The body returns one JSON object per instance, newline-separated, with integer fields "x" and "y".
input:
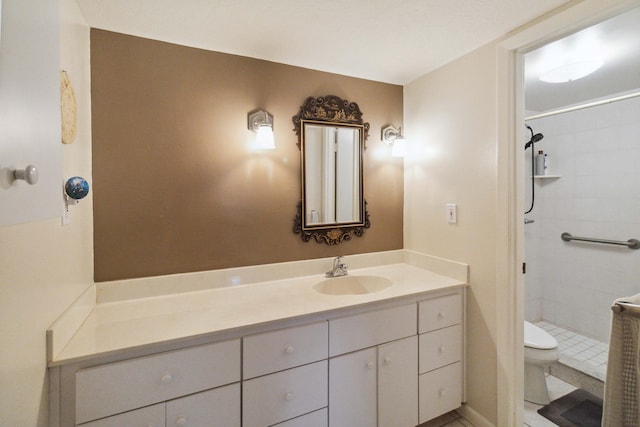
{"x": 352, "y": 389}
{"x": 213, "y": 408}
{"x": 30, "y": 110}
{"x": 398, "y": 383}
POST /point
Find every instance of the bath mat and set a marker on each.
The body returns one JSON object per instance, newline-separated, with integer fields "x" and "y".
{"x": 576, "y": 409}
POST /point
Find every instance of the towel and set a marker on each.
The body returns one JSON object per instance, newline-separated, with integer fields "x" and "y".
{"x": 622, "y": 386}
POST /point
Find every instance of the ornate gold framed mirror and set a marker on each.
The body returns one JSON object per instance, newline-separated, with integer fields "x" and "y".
{"x": 331, "y": 138}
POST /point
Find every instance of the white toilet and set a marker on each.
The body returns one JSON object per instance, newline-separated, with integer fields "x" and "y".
{"x": 540, "y": 350}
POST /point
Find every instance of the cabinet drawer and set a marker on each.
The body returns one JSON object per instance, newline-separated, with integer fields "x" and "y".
{"x": 217, "y": 407}
{"x": 283, "y": 349}
{"x": 315, "y": 419}
{"x": 369, "y": 329}
{"x": 151, "y": 416}
{"x": 440, "y": 391}
{"x": 439, "y": 313}
{"x": 118, "y": 387}
{"x": 440, "y": 348}
{"x": 288, "y": 394}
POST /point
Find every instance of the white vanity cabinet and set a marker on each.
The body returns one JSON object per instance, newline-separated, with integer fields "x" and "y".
{"x": 440, "y": 355}
{"x": 377, "y": 385}
{"x": 396, "y": 364}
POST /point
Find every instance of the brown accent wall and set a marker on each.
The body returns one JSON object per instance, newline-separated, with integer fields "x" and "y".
{"x": 176, "y": 186}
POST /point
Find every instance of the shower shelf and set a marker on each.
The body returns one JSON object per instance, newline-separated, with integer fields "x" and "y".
{"x": 546, "y": 176}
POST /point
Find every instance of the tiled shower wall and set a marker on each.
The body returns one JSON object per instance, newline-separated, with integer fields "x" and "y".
{"x": 596, "y": 153}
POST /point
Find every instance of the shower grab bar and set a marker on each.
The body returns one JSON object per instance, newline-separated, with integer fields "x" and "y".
{"x": 627, "y": 307}
{"x": 631, "y": 243}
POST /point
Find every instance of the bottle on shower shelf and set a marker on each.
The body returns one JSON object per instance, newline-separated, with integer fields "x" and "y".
{"x": 542, "y": 163}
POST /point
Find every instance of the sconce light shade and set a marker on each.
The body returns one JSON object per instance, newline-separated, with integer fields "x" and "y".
{"x": 262, "y": 122}
{"x": 265, "y": 139}
{"x": 399, "y": 147}
{"x": 392, "y": 136}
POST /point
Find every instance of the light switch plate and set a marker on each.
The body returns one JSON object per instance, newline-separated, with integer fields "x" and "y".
{"x": 452, "y": 213}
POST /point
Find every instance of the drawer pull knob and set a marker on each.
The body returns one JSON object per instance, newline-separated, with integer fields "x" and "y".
{"x": 441, "y": 392}
{"x": 289, "y": 349}
{"x": 288, "y": 396}
{"x": 387, "y": 360}
{"x": 441, "y": 349}
{"x": 166, "y": 378}
{"x": 370, "y": 365}
{"x": 440, "y": 315}
{"x": 181, "y": 421}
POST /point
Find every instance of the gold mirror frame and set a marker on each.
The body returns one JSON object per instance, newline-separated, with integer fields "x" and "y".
{"x": 331, "y": 110}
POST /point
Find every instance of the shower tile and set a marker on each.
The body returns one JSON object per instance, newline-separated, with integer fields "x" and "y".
{"x": 579, "y": 352}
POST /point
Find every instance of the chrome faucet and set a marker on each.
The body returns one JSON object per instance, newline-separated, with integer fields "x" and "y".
{"x": 339, "y": 268}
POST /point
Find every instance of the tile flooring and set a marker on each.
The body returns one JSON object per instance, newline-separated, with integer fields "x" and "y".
{"x": 557, "y": 388}
{"x": 579, "y": 352}
{"x": 452, "y": 419}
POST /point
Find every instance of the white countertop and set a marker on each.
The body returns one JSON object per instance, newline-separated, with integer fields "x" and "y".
{"x": 132, "y": 324}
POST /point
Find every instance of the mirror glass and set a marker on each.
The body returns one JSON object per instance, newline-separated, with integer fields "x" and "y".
{"x": 331, "y": 173}
{"x": 332, "y": 139}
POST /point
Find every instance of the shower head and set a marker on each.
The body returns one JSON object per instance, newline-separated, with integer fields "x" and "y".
{"x": 534, "y": 138}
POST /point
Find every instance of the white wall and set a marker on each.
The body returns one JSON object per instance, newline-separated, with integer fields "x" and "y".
{"x": 450, "y": 123}
{"x": 597, "y": 153}
{"x": 44, "y": 266}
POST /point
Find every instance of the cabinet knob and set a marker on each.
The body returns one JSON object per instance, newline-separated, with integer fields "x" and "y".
{"x": 181, "y": 421}
{"x": 441, "y": 349}
{"x": 289, "y": 349}
{"x": 370, "y": 365}
{"x": 441, "y": 392}
{"x": 441, "y": 315}
{"x": 288, "y": 396}
{"x": 29, "y": 174}
{"x": 166, "y": 378}
{"x": 387, "y": 360}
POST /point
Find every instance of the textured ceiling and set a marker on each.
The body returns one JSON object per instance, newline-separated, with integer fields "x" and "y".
{"x": 393, "y": 41}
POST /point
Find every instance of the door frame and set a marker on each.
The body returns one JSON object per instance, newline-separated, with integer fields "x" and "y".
{"x": 574, "y": 16}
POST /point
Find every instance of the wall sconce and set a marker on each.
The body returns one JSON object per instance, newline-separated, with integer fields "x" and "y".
{"x": 262, "y": 122}
{"x": 393, "y": 137}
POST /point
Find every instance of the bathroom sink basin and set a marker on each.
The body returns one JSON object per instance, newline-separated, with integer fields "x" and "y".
{"x": 352, "y": 285}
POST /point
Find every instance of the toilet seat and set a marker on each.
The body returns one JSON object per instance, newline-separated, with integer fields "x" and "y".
{"x": 534, "y": 337}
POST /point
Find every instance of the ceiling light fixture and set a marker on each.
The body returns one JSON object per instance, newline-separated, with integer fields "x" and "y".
{"x": 571, "y": 71}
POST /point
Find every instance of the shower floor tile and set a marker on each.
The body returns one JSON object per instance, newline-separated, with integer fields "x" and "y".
{"x": 579, "y": 352}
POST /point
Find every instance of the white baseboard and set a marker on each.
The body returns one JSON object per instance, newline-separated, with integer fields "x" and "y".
{"x": 474, "y": 417}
